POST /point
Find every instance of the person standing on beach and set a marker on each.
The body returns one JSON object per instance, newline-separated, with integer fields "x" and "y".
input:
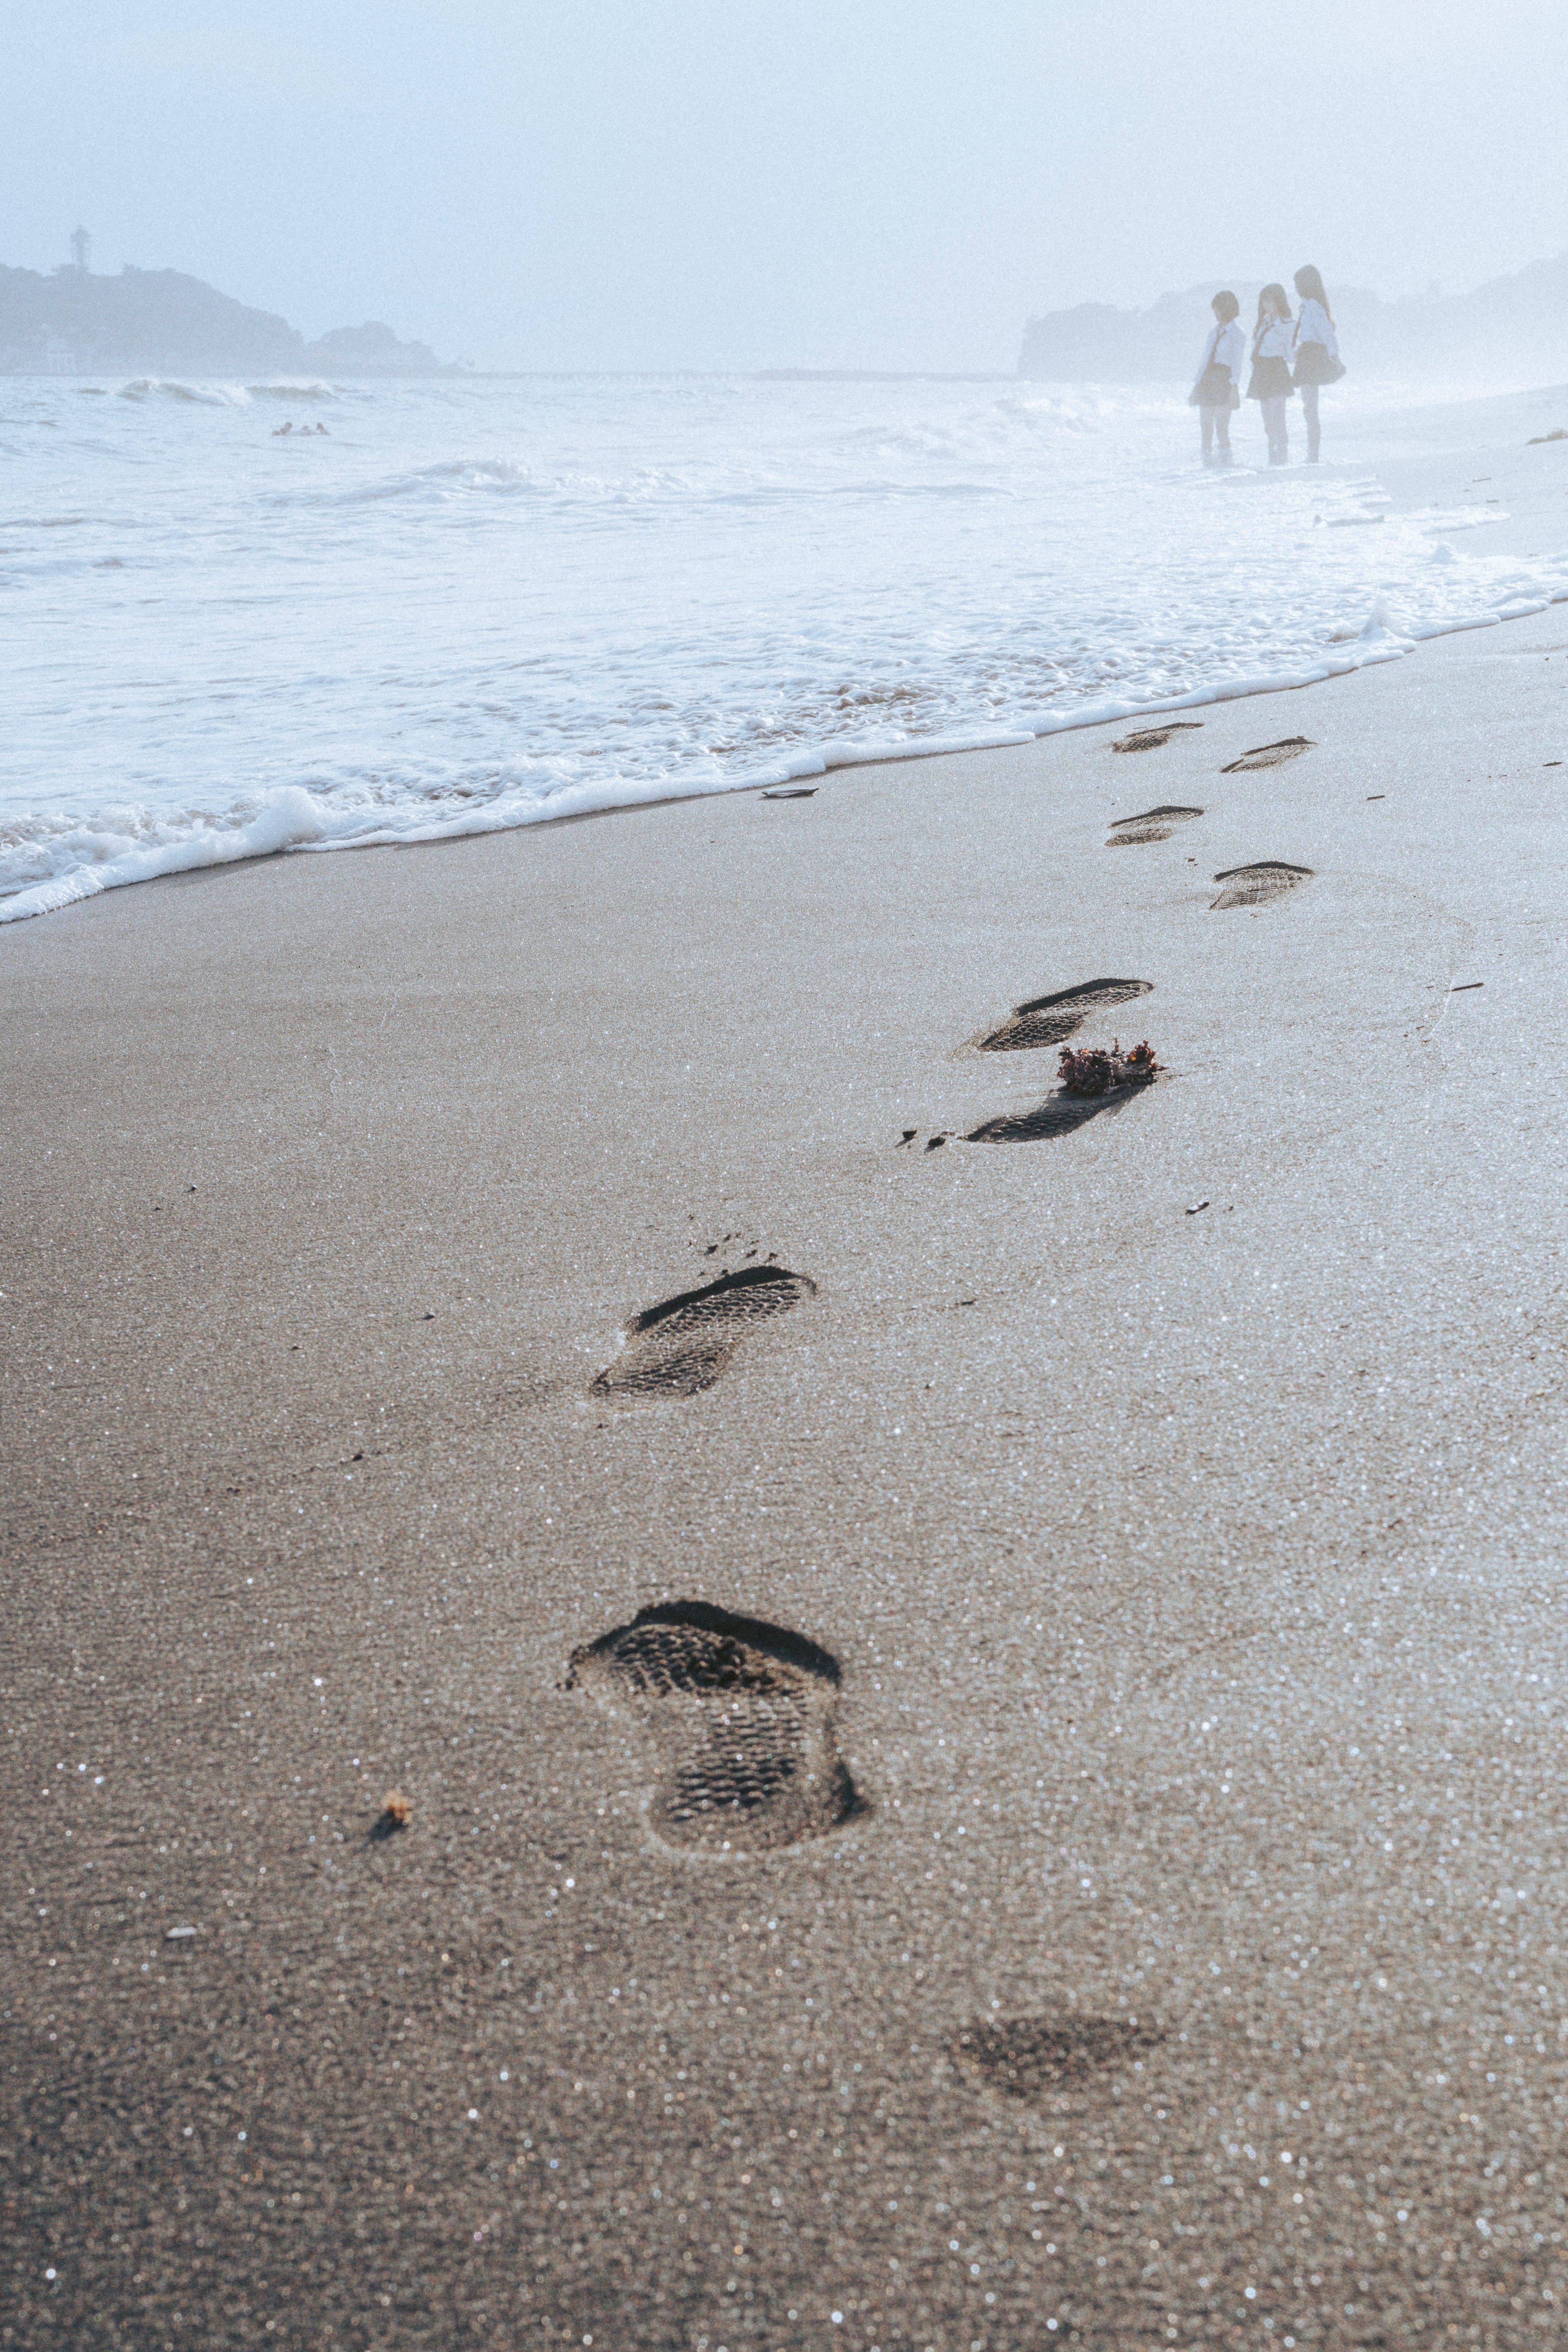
{"x": 1271, "y": 386}
{"x": 1317, "y": 349}
{"x": 1217, "y": 389}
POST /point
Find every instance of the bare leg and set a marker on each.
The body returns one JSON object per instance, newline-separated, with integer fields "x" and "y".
{"x": 1279, "y": 436}
{"x": 1222, "y": 430}
{"x": 1205, "y": 419}
{"x": 1309, "y": 410}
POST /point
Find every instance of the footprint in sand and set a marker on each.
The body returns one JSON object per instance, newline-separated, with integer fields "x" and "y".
{"x": 1150, "y": 738}
{"x": 1060, "y": 1114}
{"x": 1270, "y": 755}
{"x": 682, "y": 1345}
{"x": 1029, "y": 2057}
{"x": 740, "y": 1716}
{"x": 1154, "y": 824}
{"x": 1255, "y": 886}
{"x": 1047, "y": 1019}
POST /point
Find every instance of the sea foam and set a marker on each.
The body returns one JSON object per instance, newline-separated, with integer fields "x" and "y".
{"x": 90, "y": 861}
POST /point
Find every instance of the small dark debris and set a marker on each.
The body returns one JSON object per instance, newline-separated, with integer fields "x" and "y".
{"x": 1461, "y": 985}
{"x": 1551, "y": 763}
{"x": 1538, "y": 440}
{"x": 1196, "y": 1206}
{"x": 1377, "y": 796}
{"x": 428, "y": 1316}
{"x": 393, "y": 1817}
{"x": 936, "y": 1143}
{"x": 358, "y": 1457}
{"x": 908, "y": 1136}
{"x": 793, "y": 793}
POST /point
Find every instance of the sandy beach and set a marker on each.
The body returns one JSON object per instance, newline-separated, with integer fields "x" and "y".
{"x": 1142, "y": 1920}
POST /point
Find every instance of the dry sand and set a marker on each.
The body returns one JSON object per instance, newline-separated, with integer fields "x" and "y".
{"x": 1191, "y": 1967}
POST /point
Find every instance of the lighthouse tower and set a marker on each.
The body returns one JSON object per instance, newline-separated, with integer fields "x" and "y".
{"x": 81, "y": 251}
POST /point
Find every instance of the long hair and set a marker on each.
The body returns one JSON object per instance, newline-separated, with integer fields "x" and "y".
{"x": 1226, "y": 308}
{"x": 1280, "y": 299}
{"x": 1311, "y": 287}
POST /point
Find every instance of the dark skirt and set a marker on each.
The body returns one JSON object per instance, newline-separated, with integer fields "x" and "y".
{"x": 1313, "y": 365}
{"x": 1270, "y": 381}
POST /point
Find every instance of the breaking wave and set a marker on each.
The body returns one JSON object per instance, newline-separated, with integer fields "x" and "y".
{"x": 202, "y": 395}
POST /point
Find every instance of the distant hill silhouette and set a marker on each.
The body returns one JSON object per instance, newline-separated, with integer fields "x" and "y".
{"x": 370, "y": 350}
{"x": 161, "y": 322}
{"x": 1509, "y": 334}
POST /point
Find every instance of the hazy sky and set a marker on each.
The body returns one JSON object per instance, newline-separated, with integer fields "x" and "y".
{"x": 629, "y": 184}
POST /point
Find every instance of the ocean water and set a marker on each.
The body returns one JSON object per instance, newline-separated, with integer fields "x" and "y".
{"x": 470, "y": 605}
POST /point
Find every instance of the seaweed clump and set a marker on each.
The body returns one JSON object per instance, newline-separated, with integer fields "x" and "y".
{"x": 1093, "y": 1071}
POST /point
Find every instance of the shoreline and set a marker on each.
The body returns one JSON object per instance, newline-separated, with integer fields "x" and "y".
{"x": 828, "y": 761}
{"x": 1426, "y": 459}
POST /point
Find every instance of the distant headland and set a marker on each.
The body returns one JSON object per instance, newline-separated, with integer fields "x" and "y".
{"x": 1507, "y": 335}
{"x": 161, "y": 322}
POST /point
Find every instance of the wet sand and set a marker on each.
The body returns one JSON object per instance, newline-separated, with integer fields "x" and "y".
{"x": 1145, "y": 1921}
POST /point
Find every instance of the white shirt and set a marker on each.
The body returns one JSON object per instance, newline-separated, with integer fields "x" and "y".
{"x": 1274, "y": 341}
{"x": 1226, "y": 344}
{"x": 1315, "y": 326}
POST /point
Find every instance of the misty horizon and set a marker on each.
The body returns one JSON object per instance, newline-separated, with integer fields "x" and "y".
{"x": 1162, "y": 314}
{"x": 745, "y": 189}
